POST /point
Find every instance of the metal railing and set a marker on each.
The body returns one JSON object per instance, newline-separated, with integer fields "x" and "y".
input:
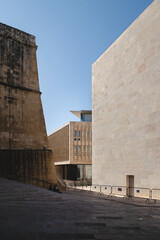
{"x": 119, "y": 191}
{"x": 139, "y": 192}
{"x": 61, "y": 182}
{"x": 155, "y": 193}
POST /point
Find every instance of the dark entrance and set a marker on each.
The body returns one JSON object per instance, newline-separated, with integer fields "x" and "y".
{"x": 130, "y": 185}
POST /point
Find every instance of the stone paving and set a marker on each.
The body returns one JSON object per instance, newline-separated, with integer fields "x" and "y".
{"x": 29, "y": 212}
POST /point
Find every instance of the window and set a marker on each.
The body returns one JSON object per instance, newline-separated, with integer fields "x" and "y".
{"x": 79, "y": 148}
{"x": 82, "y": 148}
{"x": 90, "y": 134}
{"x": 79, "y": 133}
{"x": 86, "y": 134}
{"x": 75, "y": 148}
{"x": 82, "y": 133}
{"x": 78, "y": 139}
{"x": 75, "y": 133}
{"x": 74, "y": 139}
{"x": 86, "y": 148}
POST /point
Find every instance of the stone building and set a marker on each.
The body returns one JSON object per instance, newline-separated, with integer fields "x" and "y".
{"x": 24, "y": 152}
{"x": 126, "y": 106}
{"x": 72, "y": 147}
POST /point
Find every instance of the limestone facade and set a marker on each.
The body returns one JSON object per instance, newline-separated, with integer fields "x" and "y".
{"x": 126, "y": 106}
{"x": 72, "y": 144}
{"x": 59, "y": 143}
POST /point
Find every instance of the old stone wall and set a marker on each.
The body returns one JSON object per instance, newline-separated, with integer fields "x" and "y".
{"x": 21, "y": 116}
{"x": 126, "y": 106}
{"x": 29, "y": 166}
{"x": 24, "y": 150}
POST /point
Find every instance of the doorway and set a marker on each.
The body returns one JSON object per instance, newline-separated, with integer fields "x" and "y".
{"x": 130, "y": 185}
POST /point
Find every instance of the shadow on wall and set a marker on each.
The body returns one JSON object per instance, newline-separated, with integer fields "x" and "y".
{"x": 29, "y": 166}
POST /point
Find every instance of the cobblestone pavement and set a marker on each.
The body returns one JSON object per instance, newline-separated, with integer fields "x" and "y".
{"x": 28, "y": 212}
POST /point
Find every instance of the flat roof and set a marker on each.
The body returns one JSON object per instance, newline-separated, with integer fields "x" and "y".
{"x": 78, "y": 113}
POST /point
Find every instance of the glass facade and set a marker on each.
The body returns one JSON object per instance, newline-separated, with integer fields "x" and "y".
{"x": 76, "y": 172}
{"x": 86, "y": 117}
{"x": 84, "y": 172}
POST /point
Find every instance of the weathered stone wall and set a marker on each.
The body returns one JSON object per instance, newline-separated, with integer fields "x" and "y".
{"x": 21, "y": 116}
{"x": 23, "y": 138}
{"x": 126, "y": 106}
{"x": 29, "y": 166}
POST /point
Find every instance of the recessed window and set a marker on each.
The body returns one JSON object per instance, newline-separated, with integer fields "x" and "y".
{"x": 82, "y": 133}
{"x": 79, "y": 148}
{"x": 74, "y": 139}
{"x": 75, "y": 133}
{"x": 78, "y": 139}
{"x": 86, "y": 148}
{"x": 75, "y": 148}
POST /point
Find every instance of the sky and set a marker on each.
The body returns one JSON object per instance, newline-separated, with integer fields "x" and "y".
{"x": 71, "y": 35}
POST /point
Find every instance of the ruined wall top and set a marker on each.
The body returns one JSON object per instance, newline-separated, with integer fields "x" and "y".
{"x": 17, "y": 35}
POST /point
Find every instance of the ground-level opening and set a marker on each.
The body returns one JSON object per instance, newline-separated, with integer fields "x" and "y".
{"x": 130, "y": 185}
{"x": 75, "y": 172}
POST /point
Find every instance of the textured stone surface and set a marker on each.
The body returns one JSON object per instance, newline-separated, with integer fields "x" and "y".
{"x": 59, "y": 143}
{"x": 126, "y": 106}
{"x": 82, "y": 155}
{"x": 21, "y": 115}
{"x": 28, "y": 212}
{"x": 23, "y": 138}
{"x": 30, "y": 166}
{"x": 63, "y": 142}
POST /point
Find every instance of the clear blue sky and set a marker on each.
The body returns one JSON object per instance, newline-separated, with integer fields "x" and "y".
{"x": 71, "y": 35}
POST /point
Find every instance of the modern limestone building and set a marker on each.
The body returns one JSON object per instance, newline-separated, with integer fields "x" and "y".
{"x": 72, "y": 147}
{"x": 126, "y": 106}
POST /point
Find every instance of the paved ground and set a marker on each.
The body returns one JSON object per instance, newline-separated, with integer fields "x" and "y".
{"x": 28, "y": 212}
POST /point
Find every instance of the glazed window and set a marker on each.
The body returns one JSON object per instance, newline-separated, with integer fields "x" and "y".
{"x": 86, "y": 148}
{"x": 75, "y": 148}
{"x": 86, "y": 134}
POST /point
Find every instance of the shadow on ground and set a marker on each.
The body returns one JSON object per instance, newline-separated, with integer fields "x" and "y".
{"x": 28, "y": 212}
